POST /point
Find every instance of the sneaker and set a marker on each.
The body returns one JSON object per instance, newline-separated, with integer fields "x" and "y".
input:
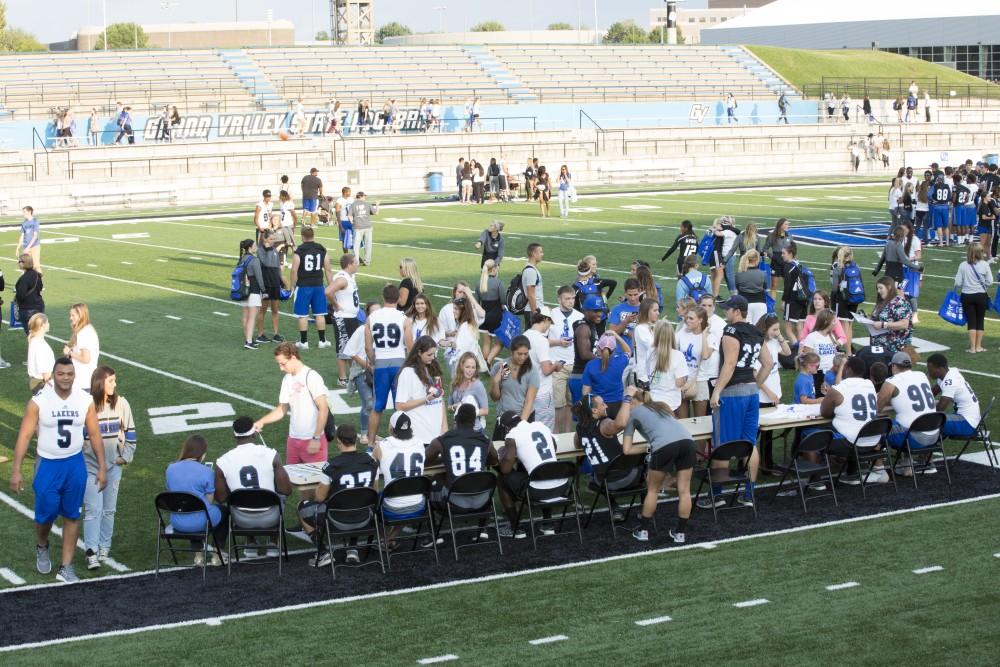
{"x": 249, "y": 345}
{"x": 217, "y": 560}
{"x": 278, "y": 338}
{"x": 818, "y": 486}
{"x": 519, "y": 534}
{"x": 302, "y": 346}
{"x": 271, "y": 553}
{"x": 677, "y": 537}
{"x": 66, "y": 574}
{"x": 903, "y": 469}
{"x": 342, "y": 383}
{"x": 854, "y": 480}
{"x": 707, "y": 503}
{"x": 323, "y": 561}
{"x": 324, "y": 344}
{"x": 103, "y": 554}
{"x": 262, "y": 339}
{"x": 4, "y": 363}
{"x": 747, "y": 501}
{"x": 427, "y": 542}
{"x": 352, "y": 557}
{"x": 547, "y": 529}
{"x": 199, "y": 559}
{"x": 483, "y": 536}
{"x": 788, "y": 493}
{"x": 618, "y": 516}
{"x": 250, "y": 553}
{"x": 93, "y": 562}
{"x": 931, "y": 470}
{"x": 878, "y": 477}
{"x": 641, "y": 534}
{"x": 43, "y": 563}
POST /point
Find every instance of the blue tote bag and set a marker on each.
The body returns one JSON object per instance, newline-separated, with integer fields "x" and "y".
{"x": 509, "y": 329}
{"x": 911, "y": 283}
{"x": 951, "y": 310}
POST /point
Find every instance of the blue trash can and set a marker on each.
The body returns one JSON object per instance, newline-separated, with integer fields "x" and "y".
{"x": 435, "y": 181}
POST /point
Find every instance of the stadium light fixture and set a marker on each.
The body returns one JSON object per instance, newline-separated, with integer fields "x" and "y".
{"x": 441, "y": 9}
{"x": 166, "y": 6}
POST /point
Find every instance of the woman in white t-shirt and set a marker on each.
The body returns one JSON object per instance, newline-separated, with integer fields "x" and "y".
{"x": 822, "y": 341}
{"x": 466, "y": 311}
{"x": 668, "y": 366}
{"x": 419, "y": 392}
{"x": 770, "y": 391}
{"x": 40, "y": 356}
{"x": 649, "y": 313}
{"x": 423, "y": 320}
{"x": 84, "y": 347}
{"x": 692, "y": 341}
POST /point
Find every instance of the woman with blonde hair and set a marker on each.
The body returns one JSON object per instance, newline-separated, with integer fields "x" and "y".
{"x": 119, "y": 441}
{"x": 467, "y": 387}
{"x": 40, "y": 356}
{"x": 411, "y": 285}
{"x": 841, "y": 306}
{"x": 490, "y": 294}
{"x": 751, "y": 284}
{"x": 466, "y": 310}
{"x": 669, "y": 367}
{"x": 644, "y": 336}
{"x": 693, "y": 342}
{"x": 84, "y": 346}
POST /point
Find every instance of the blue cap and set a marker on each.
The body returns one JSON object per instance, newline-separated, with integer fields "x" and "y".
{"x": 593, "y": 302}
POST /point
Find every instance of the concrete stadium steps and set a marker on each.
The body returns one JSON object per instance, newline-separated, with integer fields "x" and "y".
{"x": 253, "y": 79}
{"x": 761, "y": 71}
{"x": 505, "y": 79}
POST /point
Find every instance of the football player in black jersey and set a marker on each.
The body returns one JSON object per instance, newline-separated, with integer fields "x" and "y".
{"x": 686, "y": 242}
{"x": 597, "y": 436}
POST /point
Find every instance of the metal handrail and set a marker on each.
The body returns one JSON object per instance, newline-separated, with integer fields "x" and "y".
{"x": 149, "y": 161}
{"x": 892, "y": 87}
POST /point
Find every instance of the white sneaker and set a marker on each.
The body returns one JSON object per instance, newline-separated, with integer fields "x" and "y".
{"x": 352, "y": 557}
{"x": 103, "y": 554}
{"x": 324, "y": 560}
{"x": 93, "y": 562}
{"x": 218, "y": 561}
{"x": 878, "y": 477}
{"x": 301, "y": 345}
{"x": 199, "y": 559}
{"x": 324, "y": 344}
{"x": 250, "y": 553}
{"x": 678, "y": 537}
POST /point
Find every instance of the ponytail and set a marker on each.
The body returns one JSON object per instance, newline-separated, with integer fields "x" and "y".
{"x": 245, "y": 246}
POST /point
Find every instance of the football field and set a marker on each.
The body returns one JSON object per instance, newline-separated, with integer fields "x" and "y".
{"x": 912, "y": 578}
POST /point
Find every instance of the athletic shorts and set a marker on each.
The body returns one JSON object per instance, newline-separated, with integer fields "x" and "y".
{"x": 575, "y": 386}
{"x": 738, "y": 416}
{"x": 345, "y": 328}
{"x": 310, "y": 205}
{"x": 561, "y": 395}
{"x": 516, "y": 482}
{"x": 272, "y": 283}
{"x": 545, "y": 410}
{"x": 252, "y": 301}
{"x": 965, "y": 216}
{"x": 794, "y": 312}
{"x": 701, "y": 390}
{"x": 384, "y": 382}
{"x": 678, "y": 455}
{"x": 297, "y": 451}
{"x": 844, "y": 310}
{"x": 986, "y": 229}
{"x": 310, "y": 298}
{"x": 59, "y": 485}
{"x": 939, "y": 215}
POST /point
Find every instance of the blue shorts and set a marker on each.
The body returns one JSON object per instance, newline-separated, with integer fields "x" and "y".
{"x": 957, "y": 427}
{"x": 59, "y": 485}
{"x": 939, "y": 214}
{"x": 575, "y": 385}
{"x": 394, "y": 516}
{"x": 310, "y": 205}
{"x": 984, "y": 229}
{"x": 310, "y": 297}
{"x": 738, "y": 415}
{"x": 965, "y": 216}
{"x": 384, "y": 382}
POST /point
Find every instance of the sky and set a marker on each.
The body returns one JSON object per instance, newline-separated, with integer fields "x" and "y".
{"x": 310, "y": 16}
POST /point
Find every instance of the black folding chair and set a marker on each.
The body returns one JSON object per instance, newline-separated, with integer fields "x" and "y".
{"x": 927, "y": 425}
{"x": 471, "y": 487}
{"x": 253, "y": 501}
{"x": 352, "y": 513}
{"x": 982, "y": 436}
{"x": 178, "y": 502}
{"x": 736, "y": 450}
{"x": 563, "y": 495}
{"x": 880, "y": 427}
{"x": 813, "y": 445}
{"x": 623, "y": 466}
{"x": 409, "y": 486}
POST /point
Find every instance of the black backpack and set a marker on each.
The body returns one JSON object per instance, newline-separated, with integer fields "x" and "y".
{"x": 516, "y": 299}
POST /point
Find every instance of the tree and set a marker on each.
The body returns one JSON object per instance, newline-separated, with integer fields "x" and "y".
{"x": 560, "y": 26}
{"x": 322, "y": 36}
{"x": 124, "y": 36}
{"x": 655, "y": 36}
{"x": 488, "y": 26}
{"x": 393, "y": 29}
{"x": 15, "y": 39}
{"x": 625, "y": 32}
{"x": 3, "y": 15}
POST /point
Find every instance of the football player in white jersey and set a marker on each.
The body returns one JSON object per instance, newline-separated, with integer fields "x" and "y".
{"x": 59, "y": 413}
{"x": 531, "y": 443}
{"x": 909, "y": 393}
{"x": 342, "y": 295}
{"x": 852, "y": 403}
{"x": 385, "y": 344}
{"x": 262, "y": 213}
{"x": 953, "y": 390}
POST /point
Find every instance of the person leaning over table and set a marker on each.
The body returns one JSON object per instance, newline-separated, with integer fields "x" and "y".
{"x": 514, "y": 384}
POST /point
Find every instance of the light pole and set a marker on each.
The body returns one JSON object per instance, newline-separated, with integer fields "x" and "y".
{"x": 166, "y": 6}
{"x": 270, "y": 18}
{"x": 671, "y": 22}
{"x": 441, "y": 9}
{"x": 104, "y": 10}
{"x": 597, "y": 31}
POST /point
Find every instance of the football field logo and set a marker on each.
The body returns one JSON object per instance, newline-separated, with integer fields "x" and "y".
{"x": 860, "y": 235}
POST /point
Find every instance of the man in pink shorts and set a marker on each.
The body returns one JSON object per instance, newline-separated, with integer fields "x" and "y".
{"x": 303, "y": 399}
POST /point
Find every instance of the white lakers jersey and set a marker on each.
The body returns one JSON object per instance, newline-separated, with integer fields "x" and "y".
{"x": 61, "y": 422}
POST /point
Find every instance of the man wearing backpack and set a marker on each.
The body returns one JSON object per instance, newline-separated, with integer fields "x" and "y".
{"x": 796, "y": 295}
{"x": 125, "y": 126}
{"x": 531, "y": 280}
{"x": 693, "y": 284}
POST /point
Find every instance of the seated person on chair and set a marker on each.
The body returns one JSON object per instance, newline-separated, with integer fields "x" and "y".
{"x": 909, "y": 393}
{"x": 250, "y": 466}
{"x": 189, "y": 474}
{"x": 851, "y": 404}
{"x": 347, "y": 470}
{"x": 460, "y": 450}
{"x": 952, "y": 389}
{"x": 597, "y": 436}
{"x": 400, "y": 456}
{"x": 531, "y": 444}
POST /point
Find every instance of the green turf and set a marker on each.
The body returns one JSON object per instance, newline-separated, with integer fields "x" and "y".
{"x": 801, "y": 66}
{"x": 182, "y": 269}
{"x": 944, "y": 617}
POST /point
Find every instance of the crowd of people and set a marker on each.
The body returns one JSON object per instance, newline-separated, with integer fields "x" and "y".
{"x": 580, "y": 358}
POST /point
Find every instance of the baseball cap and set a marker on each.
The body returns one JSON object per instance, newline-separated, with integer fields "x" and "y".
{"x": 902, "y": 359}
{"x": 243, "y": 427}
{"x": 593, "y": 302}
{"x": 401, "y": 425}
{"x": 510, "y": 419}
{"x": 736, "y": 301}
{"x": 542, "y": 313}
{"x": 607, "y": 342}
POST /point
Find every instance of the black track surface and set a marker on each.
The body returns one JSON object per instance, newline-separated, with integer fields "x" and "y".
{"x": 106, "y": 605}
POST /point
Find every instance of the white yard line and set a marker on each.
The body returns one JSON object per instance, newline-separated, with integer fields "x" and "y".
{"x": 436, "y": 659}
{"x": 843, "y": 586}
{"x": 548, "y": 640}
{"x": 928, "y": 570}
{"x": 653, "y": 621}
{"x": 751, "y": 603}
{"x": 10, "y": 576}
